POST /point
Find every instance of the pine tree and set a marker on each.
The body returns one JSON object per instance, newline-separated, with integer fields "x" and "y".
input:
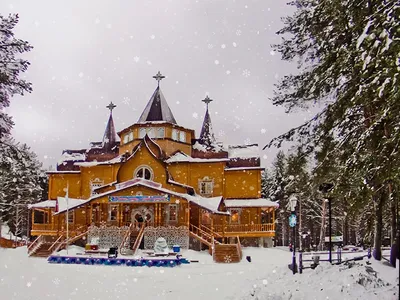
{"x": 10, "y": 69}
{"x": 21, "y": 183}
{"x": 347, "y": 53}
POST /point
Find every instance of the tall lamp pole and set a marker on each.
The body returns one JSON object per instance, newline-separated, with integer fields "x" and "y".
{"x": 326, "y": 188}
{"x": 292, "y": 223}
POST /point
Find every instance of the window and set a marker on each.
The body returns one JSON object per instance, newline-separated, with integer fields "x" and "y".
{"x": 152, "y": 132}
{"x": 235, "y": 216}
{"x": 175, "y": 133}
{"x": 126, "y": 138}
{"x": 71, "y": 216}
{"x": 144, "y": 172}
{"x": 142, "y": 132}
{"x": 40, "y": 217}
{"x": 94, "y": 184}
{"x": 182, "y": 136}
{"x": 206, "y": 186}
{"x": 130, "y": 136}
{"x": 160, "y": 132}
{"x": 173, "y": 212}
{"x": 113, "y": 213}
{"x": 96, "y": 213}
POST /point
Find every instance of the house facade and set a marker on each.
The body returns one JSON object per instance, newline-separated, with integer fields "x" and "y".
{"x": 156, "y": 174}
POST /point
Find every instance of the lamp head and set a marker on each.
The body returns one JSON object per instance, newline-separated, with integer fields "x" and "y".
{"x": 293, "y": 203}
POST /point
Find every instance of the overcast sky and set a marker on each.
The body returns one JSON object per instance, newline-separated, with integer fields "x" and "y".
{"x": 88, "y": 53}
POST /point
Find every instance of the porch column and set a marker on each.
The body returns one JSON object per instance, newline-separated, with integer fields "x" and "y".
{"x": 273, "y": 219}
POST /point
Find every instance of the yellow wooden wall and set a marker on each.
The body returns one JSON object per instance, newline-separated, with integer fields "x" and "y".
{"x": 242, "y": 184}
{"x": 214, "y": 171}
{"x": 58, "y": 183}
{"x": 106, "y": 173}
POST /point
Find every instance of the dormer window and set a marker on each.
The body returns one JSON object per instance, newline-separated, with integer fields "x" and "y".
{"x": 130, "y": 136}
{"x": 126, "y": 138}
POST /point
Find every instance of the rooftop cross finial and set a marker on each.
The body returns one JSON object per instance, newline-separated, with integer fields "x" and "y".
{"x": 207, "y": 100}
{"x": 111, "y": 106}
{"x": 158, "y": 77}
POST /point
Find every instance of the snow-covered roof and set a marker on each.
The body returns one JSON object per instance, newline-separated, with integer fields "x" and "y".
{"x": 115, "y": 160}
{"x": 210, "y": 204}
{"x": 244, "y": 168}
{"x": 257, "y": 202}
{"x": 43, "y": 204}
{"x": 243, "y": 151}
{"x": 63, "y": 172}
{"x": 182, "y": 157}
{"x": 72, "y": 203}
{"x": 72, "y": 157}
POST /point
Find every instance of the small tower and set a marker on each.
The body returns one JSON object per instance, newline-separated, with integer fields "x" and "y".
{"x": 207, "y": 137}
{"x": 157, "y": 108}
{"x": 110, "y": 135}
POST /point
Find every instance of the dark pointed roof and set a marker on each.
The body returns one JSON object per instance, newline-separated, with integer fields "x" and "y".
{"x": 110, "y": 135}
{"x": 157, "y": 109}
{"x": 207, "y": 137}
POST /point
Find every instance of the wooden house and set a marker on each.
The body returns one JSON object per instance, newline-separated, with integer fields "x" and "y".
{"x": 156, "y": 179}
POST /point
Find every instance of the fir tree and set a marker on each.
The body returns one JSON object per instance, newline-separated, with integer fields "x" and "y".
{"x": 10, "y": 69}
{"x": 347, "y": 53}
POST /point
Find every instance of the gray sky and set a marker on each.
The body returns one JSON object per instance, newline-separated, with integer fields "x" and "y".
{"x": 88, "y": 53}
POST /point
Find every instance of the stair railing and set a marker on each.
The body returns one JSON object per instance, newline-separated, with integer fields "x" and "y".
{"x": 35, "y": 245}
{"x": 138, "y": 239}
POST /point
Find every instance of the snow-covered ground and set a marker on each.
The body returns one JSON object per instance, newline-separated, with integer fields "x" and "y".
{"x": 266, "y": 277}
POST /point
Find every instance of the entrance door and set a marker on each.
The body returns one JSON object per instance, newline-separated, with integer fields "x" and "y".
{"x": 142, "y": 215}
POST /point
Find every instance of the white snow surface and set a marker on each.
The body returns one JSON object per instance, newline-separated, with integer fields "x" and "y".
{"x": 182, "y": 157}
{"x": 7, "y": 234}
{"x": 256, "y": 202}
{"x": 43, "y": 204}
{"x": 266, "y": 277}
{"x": 71, "y": 203}
{"x": 243, "y": 151}
{"x": 72, "y": 157}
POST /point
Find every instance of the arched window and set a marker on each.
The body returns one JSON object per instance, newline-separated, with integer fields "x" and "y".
{"x": 144, "y": 172}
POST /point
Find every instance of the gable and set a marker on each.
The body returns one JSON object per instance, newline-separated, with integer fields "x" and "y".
{"x": 143, "y": 157}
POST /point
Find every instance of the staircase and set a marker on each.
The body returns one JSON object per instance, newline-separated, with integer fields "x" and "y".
{"x": 41, "y": 247}
{"x": 222, "y": 253}
{"x": 203, "y": 236}
{"x": 138, "y": 239}
{"x": 227, "y": 253}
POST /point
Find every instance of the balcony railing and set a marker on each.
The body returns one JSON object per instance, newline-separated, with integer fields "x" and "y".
{"x": 245, "y": 228}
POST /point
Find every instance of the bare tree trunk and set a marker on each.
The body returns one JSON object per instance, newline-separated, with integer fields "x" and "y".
{"x": 393, "y": 213}
{"x": 322, "y": 231}
{"x": 379, "y": 201}
{"x": 300, "y": 227}
{"x": 283, "y": 233}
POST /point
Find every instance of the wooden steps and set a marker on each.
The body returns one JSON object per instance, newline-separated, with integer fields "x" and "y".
{"x": 226, "y": 253}
{"x": 43, "y": 250}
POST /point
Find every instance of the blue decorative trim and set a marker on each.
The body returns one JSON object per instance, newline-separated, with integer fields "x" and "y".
{"x": 167, "y": 262}
{"x": 139, "y": 199}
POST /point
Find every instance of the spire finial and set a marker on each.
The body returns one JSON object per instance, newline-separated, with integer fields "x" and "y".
{"x": 207, "y": 100}
{"x": 158, "y": 77}
{"x": 111, "y": 106}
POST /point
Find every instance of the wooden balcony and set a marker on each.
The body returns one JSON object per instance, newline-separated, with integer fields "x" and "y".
{"x": 245, "y": 230}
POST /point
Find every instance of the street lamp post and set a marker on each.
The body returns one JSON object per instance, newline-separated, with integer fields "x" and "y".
{"x": 292, "y": 223}
{"x": 326, "y": 188}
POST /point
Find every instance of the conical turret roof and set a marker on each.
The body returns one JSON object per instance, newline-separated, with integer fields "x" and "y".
{"x": 110, "y": 136}
{"x": 157, "y": 109}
